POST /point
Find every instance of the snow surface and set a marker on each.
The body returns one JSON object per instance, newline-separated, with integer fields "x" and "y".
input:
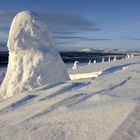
{"x": 102, "y": 108}
{"x": 33, "y": 60}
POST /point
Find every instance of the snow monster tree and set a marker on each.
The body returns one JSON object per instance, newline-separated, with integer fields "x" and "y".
{"x": 33, "y": 60}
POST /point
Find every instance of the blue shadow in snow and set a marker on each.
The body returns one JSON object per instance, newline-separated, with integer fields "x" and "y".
{"x": 18, "y": 104}
{"x": 116, "y": 68}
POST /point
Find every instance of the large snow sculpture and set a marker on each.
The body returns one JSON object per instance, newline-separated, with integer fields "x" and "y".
{"x": 33, "y": 60}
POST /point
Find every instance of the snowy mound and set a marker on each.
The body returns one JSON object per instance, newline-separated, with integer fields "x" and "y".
{"x": 103, "y": 108}
{"x": 33, "y": 61}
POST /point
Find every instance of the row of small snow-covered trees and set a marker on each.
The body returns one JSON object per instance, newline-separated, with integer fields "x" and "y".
{"x": 75, "y": 65}
{"x": 109, "y": 59}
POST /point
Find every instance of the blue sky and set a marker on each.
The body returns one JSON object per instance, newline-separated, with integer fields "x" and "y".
{"x": 78, "y": 24}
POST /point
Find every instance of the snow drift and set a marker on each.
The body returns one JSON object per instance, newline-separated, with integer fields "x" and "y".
{"x": 103, "y": 108}
{"x": 33, "y": 60}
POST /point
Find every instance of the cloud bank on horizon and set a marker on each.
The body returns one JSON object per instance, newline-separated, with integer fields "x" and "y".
{"x": 85, "y": 24}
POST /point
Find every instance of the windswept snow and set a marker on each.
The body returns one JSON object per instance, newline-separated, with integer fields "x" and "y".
{"x": 102, "y": 108}
{"x": 33, "y": 60}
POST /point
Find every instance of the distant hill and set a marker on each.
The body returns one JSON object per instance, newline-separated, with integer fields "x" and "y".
{"x": 103, "y": 50}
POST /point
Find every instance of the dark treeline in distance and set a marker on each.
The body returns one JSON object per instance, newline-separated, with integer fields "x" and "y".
{"x": 70, "y": 57}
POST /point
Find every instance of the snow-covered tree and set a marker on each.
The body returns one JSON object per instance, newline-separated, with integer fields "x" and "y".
{"x": 89, "y": 62}
{"x": 33, "y": 60}
{"x": 94, "y": 61}
{"x": 115, "y": 58}
{"x": 103, "y": 59}
{"x": 128, "y": 55}
{"x": 75, "y": 65}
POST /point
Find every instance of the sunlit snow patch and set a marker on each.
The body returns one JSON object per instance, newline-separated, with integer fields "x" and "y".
{"x": 85, "y": 75}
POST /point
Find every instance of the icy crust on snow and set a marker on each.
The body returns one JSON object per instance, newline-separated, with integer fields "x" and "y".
{"x": 33, "y": 60}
